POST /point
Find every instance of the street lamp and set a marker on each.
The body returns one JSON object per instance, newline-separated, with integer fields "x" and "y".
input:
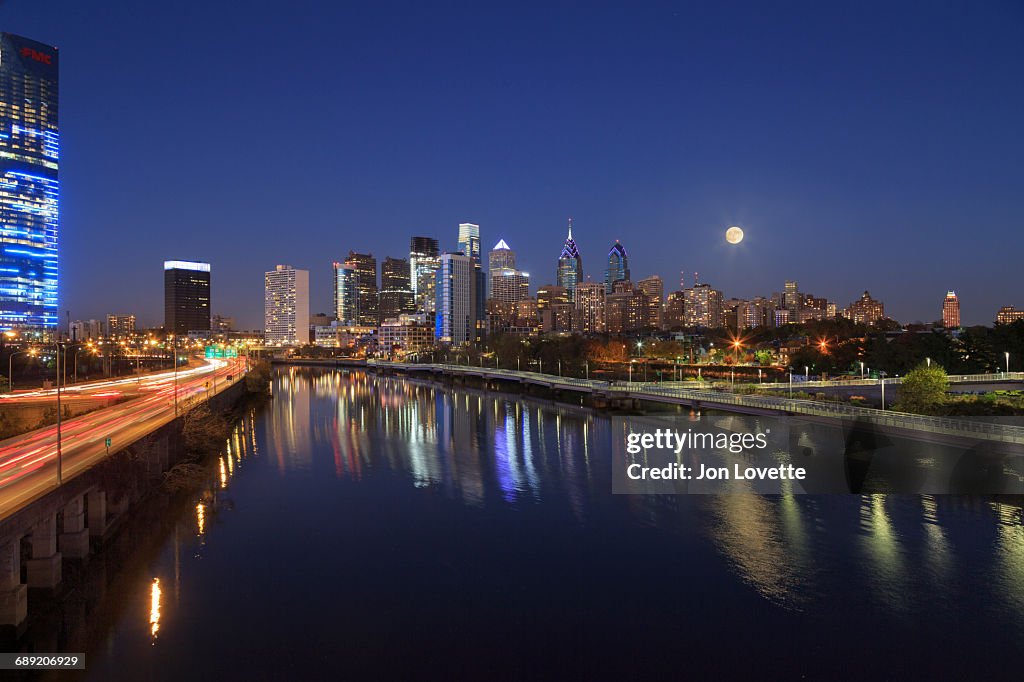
{"x": 881, "y": 381}
{"x": 10, "y": 365}
{"x": 928, "y": 361}
{"x": 862, "y": 370}
{"x": 1007, "y": 354}
{"x": 807, "y": 373}
{"x": 630, "y": 371}
{"x": 790, "y": 383}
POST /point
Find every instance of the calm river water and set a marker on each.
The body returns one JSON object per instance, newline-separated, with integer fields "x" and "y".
{"x": 370, "y": 528}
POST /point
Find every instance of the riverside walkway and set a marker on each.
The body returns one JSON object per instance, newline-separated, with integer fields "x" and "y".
{"x": 912, "y": 425}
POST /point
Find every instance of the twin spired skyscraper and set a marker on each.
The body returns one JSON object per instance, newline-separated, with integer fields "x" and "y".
{"x": 29, "y": 189}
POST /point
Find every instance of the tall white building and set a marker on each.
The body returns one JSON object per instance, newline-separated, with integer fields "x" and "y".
{"x": 456, "y": 304}
{"x": 286, "y": 306}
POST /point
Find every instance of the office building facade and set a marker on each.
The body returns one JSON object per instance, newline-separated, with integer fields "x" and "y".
{"x": 186, "y": 296}
{"x": 617, "y": 269}
{"x": 365, "y": 267}
{"x": 29, "y": 187}
{"x": 569, "y": 273}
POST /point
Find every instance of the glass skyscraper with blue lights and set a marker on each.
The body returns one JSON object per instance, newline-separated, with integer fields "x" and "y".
{"x": 29, "y": 191}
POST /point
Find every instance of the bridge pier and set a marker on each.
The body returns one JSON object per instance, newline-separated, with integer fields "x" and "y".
{"x": 74, "y": 541}
{"x": 97, "y": 504}
{"x": 13, "y": 594}
{"x": 44, "y": 567}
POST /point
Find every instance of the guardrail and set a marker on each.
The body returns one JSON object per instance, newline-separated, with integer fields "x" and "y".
{"x": 654, "y": 391}
{"x": 953, "y": 379}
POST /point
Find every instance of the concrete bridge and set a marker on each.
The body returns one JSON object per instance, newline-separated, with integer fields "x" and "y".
{"x": 48, "y": 519}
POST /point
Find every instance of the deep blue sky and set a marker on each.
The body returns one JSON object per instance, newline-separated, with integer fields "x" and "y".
{"x": 860, "y": 145}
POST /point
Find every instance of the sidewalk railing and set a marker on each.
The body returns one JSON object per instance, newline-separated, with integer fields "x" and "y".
{"x": 711, "y": 398}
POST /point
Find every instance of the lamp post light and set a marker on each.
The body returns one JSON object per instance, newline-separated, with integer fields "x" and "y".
{"x": 1007, "y": 354}
{"x": 807, "y": 373}
{"x": 790, "y": 383}
{"x": 881, "y": 381}
{"x": 559, "y": 367}
{"x": 10, "y": 365}
{"x": 759, "y": 376}
{"x": 631, "y": 371}
{"x": 60, "y": 462}
{"x": 540, "y": 365}
{"x": 862, "y": 371}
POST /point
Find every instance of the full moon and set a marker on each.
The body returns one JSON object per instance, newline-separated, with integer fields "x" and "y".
{"x": 734, "y": 235}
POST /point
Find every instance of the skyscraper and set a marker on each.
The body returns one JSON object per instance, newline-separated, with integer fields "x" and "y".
{"x": 469, "y": 240}
{"x": 654, "y": 289}
{"x": 702, "y": 307}
{"x": 455, "y": 323}
{"x": 186, "y": 296}
{"x": 396, "y": 296}
{"x": 618, "y": 266}
{"x": 345, "y": 295}
{"x": 570, "y": 266}
{"x": 508, "y": 285}
{"x": 590, "y": 308}
{"x": 29, "y": 189}
{"x": 286, "y": 306}
{"x": 423, "y": 262}
{"x": 951, "y": 311}
{"x": 365, "y": 267}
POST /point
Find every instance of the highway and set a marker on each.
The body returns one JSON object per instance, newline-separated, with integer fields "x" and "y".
{"x": 28, "y": 463}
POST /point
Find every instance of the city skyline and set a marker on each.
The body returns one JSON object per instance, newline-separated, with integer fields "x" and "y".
{"x": 837, "y": 178}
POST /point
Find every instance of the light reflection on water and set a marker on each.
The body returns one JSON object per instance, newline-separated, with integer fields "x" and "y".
{"x": 527, "y": 481}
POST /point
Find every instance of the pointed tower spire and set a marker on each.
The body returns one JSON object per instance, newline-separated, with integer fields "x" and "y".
{"x": 570, "y": 228}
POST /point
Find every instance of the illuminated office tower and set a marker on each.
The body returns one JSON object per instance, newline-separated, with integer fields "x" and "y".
{"x": 395, "y": 290}
{"x": 423, "y": 262}
{"x": 618, "y": 267}
{"x": 469, "y": 240}
{"x": 456, "y": 321}
{"x": 186, "y": 296}
{"x": 286, "y": 306}
{"x": 345, "y": 294}
{"x": 508, "y": 285}
{"x": 951, "y": 311}
{"x": 365, "y": 266}
{"x": 570, "y": 266}
{"x": 29, "y": 190}
{"x": 702, "y": 307}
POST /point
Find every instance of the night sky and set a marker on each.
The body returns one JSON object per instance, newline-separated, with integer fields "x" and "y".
{"x": 859, "y": 145}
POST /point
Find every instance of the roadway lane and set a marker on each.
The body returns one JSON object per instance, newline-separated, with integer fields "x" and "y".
{"x": 28, "y": 463}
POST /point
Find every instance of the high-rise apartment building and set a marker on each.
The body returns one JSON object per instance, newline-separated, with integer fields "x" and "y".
{"x": 625, "y": 308}
{"x": 424, "y": 258}
{"x": 654, "y": 289}
{"x": 396, "y": 297}
{"x": 345, "y": 294}
{"x": 951, "y": 311}
{"x": 85, "y": 330}
{"x": 186, "y": 296}
{"x": 569, "y": 273}
{"x": 617, "y": 269}
{"x": 866, "y": 310}
{"x": 590, "y": 308}
{"x": 29, "y": 189}
{"x": 365, "y": 267}
{"x": 121, "y": 325}
{"x": 1009, "y": 314}
{"x": 286, "y": 306}
{"x": 675, "y": 308}
{"x": 456, "y": 321}
{"x": 703, "y": 307}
